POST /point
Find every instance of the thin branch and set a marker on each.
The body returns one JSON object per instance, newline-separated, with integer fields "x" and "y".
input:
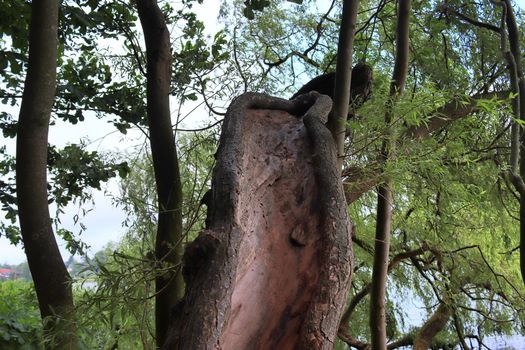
{"x": 201, "y": 129}
{"x": 385, "y": 197}
{"x": 367, "y": 288}
{"x": 343, "y": 78}
{"x": 304, "y": 54}
{"x": 132, "y": 40}
{"x": 236, "y": 60}
{"x": 448, "y": 10}
{"x": 459, "y": 331}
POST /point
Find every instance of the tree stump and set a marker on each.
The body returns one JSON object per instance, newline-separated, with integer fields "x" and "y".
{"x": 272, "y": 268}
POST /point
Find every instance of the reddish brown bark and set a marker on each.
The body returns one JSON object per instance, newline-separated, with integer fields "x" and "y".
{"x": 52, "y": 281}
{"x": 517, "y": 80}
{"x": 169, "y": 286}
{"x": 272, "y": 268}
{"x": 432, "y": 326}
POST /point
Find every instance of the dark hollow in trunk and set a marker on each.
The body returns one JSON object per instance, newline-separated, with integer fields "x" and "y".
{"x": 272, "y": 268}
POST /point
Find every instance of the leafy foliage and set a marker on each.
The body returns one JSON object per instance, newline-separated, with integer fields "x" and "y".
{"x": 20, "y": 325}
{"x": 452, "y": 198}
{"x": 115, "y": 289}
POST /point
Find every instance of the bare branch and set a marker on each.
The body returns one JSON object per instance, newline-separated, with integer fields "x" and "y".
{"x": 448, "y": 10}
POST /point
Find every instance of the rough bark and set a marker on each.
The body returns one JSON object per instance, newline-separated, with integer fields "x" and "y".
{"x": 384, "y": 197}
{"x": 343, "y": 76}
{"x": 169, "y": 286}
{"x": 51, "y": 279}
{"x": 432, "y": 326}
{"x": 272, "y": 268}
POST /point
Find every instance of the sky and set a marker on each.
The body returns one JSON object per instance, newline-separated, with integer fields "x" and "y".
{"x": 103, "y": 223}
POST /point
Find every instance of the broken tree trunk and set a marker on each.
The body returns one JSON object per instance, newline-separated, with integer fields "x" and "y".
{"x": 272, "y": 268}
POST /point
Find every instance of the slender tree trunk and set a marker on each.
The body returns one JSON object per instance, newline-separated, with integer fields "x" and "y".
{"x": 272, "y": 268}
{"x": 169, "y": 285}
{"x": 517, "y": 84}
{"x": 343, "y": 75}
{"x": 384, "y": 199}
{"x": 515, "y": 53}
{"x": 52, "y": 281}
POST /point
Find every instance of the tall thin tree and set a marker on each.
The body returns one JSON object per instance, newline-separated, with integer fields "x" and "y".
{"x": 169, "y": 286}
{"x": 343, "y": 77}
{"x": 509, "y": 32}
{"x": 52, "y": 281}
{"x": 384, "y": 197}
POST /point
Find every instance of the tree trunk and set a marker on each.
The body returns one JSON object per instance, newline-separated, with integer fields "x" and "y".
{"x": 52, "y": 281}
{"x": 343, "y": 76}
{"x": 509, "y": 32}
{"x": 384, "y": 196}
{"x": 272, "y": 268}
{"x": 169, "y": 286}
{"x": 517, "y": 76}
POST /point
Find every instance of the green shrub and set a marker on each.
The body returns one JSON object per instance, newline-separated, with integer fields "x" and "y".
{"x": 20, "y": 326}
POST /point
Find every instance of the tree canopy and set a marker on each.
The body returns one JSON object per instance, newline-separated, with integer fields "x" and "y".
{"x": 438, "y": 142}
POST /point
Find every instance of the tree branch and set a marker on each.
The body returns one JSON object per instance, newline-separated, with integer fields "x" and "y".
{"x": 343, "y": 76}
{"x": 169, "y": 286}
{"x": 448, "y": 10}
{"x": 366, "y": 289}
{"x": 384, "y": 195}
{"x": 450, "y": 112}
{"x": 304, "y": 54}
{"x": 432, "y": 326}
